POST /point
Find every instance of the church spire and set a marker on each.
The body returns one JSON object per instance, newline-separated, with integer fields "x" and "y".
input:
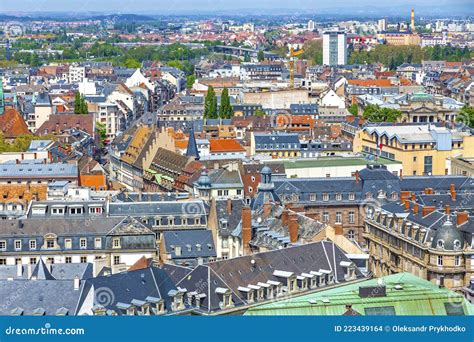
{"x": 192, "y": 150}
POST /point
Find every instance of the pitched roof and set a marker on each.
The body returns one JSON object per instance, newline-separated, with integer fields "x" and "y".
{"x": 225, "y": 145}
{"x": 12, "y": 124}
{"x": 61, "y": 122}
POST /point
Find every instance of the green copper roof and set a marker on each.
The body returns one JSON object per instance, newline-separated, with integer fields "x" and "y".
{"x": 332, "y": 162}
{"x": 417, "y": 297}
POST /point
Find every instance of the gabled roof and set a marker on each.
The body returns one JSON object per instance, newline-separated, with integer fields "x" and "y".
{"x": 12, "y": 124}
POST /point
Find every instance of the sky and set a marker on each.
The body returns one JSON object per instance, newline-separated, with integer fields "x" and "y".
{"x": 177, "y": 6}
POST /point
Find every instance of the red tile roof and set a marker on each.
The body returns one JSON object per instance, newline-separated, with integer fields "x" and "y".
{"x": 225, "y": 145}
{"x": 59, "y": 122}
{"x": 12, "y": 124}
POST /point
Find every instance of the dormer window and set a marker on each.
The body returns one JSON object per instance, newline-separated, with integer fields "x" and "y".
{"x": 83, "y": 243}
{"x": 32, "y": 244}
{"x": 116, "y": 242}
{"x": 325, "y": 197}
{"x": 457, "y": 244}
{"x": 440, "y": 244}
{"x": 338, "y": 197}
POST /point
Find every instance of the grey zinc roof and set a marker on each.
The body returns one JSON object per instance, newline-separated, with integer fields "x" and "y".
{"x": 58, "y": 271}
{"x": 38, "y": 170}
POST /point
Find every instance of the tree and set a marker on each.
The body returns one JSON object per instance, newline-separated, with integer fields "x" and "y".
{"x": 353, "y": 109}
{"x": 190, "y": 81}
{"x": 466, "y": 116}
{"x": 132, "y": 63}
{"x": 247, "y": 58}
{"x": 80, "y": 104}
{"x": 225, "y": 110}
{"x": 210, "y": 104}
{"x": 375, "y": 113}
{"x": 261, "y": 56}
{"x": 259, "y": 112}
{"x": 313, "y": 51}
{"x": 102, "y": 130}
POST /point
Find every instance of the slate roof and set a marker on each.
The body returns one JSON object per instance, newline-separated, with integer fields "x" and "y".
{"x": 193, "y": 243}
{"x": 49, "y": 295}
{"x": 239, "y": 272}
{"x": 128, "y": 286}
{"x": 222, "y": 178}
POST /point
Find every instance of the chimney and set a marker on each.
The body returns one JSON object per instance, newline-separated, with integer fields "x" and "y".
{"x": 415, "y": 209}
{"x": 404, "y": 195}
{"x": 462, "y": 217}
{"x": 229, "y": 206}
{"x": 267, "y": 209}
{"x": 48, "y": 265}
{"x": 447, "y": 209}
{"x": 246, "y": 228}
{"x": 452, "y": 190}
{"x": 284, "y": 217}
{"x": 413, "y": 197}
{"x": 407, "y": 205}
{"x": 293, "y": 227}
{"x": 338, "y": 229}
{"x": 427, "y": 210}
{"x": 357, "y": 176}
{"x": 77, "y": 283}
{"x": 19, "y": 270}
{"x": 401, "y": 174}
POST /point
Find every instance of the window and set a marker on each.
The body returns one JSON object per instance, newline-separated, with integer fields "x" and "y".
{"x": 83, "y": 259}
{"x": 351, "y": 234}
{"x": 32, "y": 261}
{"x": 68, "y": 243}
{"x": 116, "y": 259}
{"x": 428, "y": 165}
{"x": 116, "y": 243}
{"x": 457, "y": 260}
{"x": 3, "y": 261}
{"x": 338, "y": 217}
{"x": 98, "y": 243}
{"x": 440, "y": 260}
{"x": 32, "y": 244}
{"x": 338, "y": 197}
{"x": 50, "y": 243}
{"x": 312, "y": 197}
{"x": 68, "y": 260}
{"x": 3, "y": 245}
{"x": 351, "y": 196}
{"x": 351, "y": 217}
{"x": 325, "y": 216}
{"x": 380, "y": 311}
{"x": 325, "y": 197}
{"x": 83, "y": 243}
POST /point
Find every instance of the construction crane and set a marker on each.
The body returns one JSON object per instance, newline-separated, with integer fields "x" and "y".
{"x": 293, "y": 55}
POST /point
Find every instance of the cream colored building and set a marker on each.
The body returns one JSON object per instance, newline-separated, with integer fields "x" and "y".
{"x": 423, "y": 149}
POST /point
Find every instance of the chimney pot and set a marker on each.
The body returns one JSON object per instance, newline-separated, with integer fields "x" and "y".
{"x": 19, "y": 270}
{"x": 415, "y": 209}
{"x": 427, "y": 210}
{"x": 462, "y": 217}
{"x": 447, "y": 210}
{"x": 293, "y": 227}
{"x": 338, "y": 229}
{"x": 229, "y": 206}
{"x": 357, "y": 176}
